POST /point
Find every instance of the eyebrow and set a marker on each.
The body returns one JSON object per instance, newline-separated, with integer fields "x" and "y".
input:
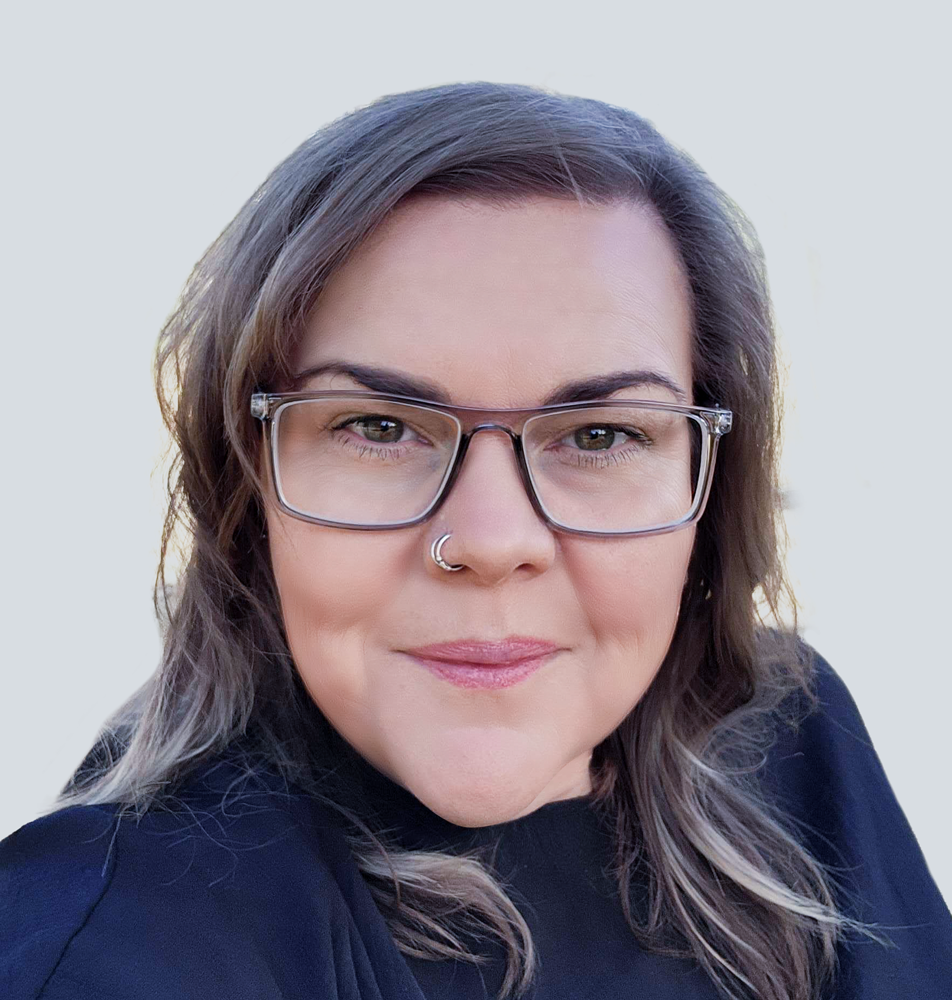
{"x": 396, "y": 383}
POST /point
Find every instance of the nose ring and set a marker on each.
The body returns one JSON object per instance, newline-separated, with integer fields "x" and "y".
{"x": 436, "y": 548}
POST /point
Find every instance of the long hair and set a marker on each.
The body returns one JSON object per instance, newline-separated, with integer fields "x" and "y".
{"x": 728, "y": 881}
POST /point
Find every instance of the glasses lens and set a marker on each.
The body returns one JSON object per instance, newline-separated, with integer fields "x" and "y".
{"x": 615, "y": 468}
{"x": 359, "y": 461}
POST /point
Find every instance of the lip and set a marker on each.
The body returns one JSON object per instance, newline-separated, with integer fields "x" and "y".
{"x": 504, "y": 652}
{"x": 485, "y": 665}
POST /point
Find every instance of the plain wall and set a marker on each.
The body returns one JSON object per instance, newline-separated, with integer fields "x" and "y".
{"x": 135, "y": 132}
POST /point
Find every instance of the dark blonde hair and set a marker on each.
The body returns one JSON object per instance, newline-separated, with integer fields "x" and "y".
{"x": 728, "y": 880}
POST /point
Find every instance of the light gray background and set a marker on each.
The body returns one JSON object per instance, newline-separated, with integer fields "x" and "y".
{"x": 136, "y": 131}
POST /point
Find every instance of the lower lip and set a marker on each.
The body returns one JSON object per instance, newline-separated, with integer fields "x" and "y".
{"x": 483, "y": 676}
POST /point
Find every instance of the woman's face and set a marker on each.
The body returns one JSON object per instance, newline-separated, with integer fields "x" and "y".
{"x": 498, "y": 306}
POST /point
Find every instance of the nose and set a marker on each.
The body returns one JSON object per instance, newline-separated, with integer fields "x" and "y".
{"x": 496, "y": 532}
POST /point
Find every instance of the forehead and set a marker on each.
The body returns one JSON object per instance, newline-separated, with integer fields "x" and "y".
{"x": 498, "y": 304}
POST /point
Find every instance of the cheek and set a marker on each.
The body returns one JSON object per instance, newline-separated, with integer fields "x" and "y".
{"x": 335, "y": 587}
{"x": 630, "y": 593}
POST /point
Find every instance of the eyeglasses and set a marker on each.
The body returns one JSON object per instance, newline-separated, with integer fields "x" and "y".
{"x": 372, "y": 461}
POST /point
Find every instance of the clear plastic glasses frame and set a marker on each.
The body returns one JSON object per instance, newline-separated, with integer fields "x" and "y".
{"x": 713, "y": 422}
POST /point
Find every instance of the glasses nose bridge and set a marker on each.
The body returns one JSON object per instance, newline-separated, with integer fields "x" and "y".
{"x": 515, "y": 437}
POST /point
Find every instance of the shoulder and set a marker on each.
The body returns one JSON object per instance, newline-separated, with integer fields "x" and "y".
{"x": 829, "y": 726}
{"x": 86, "y": 893}
{"x": 825, "y": 774}
{"x": 823, "y": 755}
{"x": 824, "y": 768}
{"x": 53, "y": 872}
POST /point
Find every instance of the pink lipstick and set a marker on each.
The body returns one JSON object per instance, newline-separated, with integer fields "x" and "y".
{"x": 485, "y": 665}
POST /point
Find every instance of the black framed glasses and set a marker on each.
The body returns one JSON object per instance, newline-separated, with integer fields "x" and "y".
{"x": 372, "y": 461}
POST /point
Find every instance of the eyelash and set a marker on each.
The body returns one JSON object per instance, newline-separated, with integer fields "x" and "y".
{"x": 595, "y": 460}
{"x": 365, "y": 448}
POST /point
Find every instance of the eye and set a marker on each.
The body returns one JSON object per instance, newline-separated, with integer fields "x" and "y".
{"x": 600, "y": 437}
{"x": 376, "y": 427}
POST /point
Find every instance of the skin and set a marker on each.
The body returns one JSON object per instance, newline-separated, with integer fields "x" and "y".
{"x": 498, "y": 305}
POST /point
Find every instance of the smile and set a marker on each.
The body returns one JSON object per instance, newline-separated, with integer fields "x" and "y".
{"x": 483, "y": 675}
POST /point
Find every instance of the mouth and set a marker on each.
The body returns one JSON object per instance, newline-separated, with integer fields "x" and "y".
{"x": 485, "y": 665}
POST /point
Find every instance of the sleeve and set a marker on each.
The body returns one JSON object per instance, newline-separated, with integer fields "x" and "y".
{"x": 828, "y": 776}
{"x": 53, "y": 873}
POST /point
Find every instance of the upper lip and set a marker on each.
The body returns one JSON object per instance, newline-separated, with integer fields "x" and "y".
{"x": 511, "y": 650}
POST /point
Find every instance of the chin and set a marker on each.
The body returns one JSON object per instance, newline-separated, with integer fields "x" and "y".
{"x": 474, "y": 813}
{"x": 477, "y": 796}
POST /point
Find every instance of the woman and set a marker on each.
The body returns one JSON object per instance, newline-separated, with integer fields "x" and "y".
{"x": 466, "y": 689}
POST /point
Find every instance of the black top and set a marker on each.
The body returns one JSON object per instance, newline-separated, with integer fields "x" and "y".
{"x": 258, "y": 895}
